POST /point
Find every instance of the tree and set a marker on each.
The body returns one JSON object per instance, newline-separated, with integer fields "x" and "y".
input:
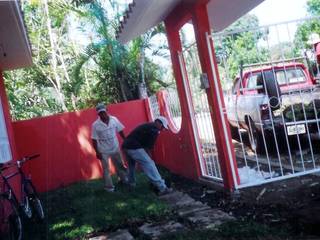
{"x": 308, "y": 28}
{"x": 238, "y": 45}
{"x": 38, "y": 90}
{"x": 67, "y": 75}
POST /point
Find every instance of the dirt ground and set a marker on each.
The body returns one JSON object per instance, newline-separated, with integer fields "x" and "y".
{"x": 292, "y": 204}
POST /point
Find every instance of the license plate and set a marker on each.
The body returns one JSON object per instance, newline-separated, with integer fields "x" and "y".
{"x": 296, "y": 129}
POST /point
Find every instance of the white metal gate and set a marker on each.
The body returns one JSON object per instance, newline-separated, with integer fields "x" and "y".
{"x": 200, "y": 114}
{"x": 272, "y": 100}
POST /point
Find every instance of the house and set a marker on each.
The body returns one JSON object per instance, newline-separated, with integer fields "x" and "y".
{"x": 206, "y": 16}
{"x": 15, "y": 52}
{"x": 180, "y": 151}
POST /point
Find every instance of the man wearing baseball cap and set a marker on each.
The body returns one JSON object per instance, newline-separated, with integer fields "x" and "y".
{"x": 137, "y": 146}
{"x": 106, "y": 145}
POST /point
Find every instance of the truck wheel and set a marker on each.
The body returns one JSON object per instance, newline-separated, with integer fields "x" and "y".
{"x": 271, "y": 87}
{"x": 234, "y": 132}
{"x": 255, "y": 138}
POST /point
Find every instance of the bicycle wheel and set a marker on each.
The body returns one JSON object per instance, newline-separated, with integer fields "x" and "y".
{"x": 35, "y": 202}
{"x": 26, "y": 207}
{"x": 11, "y": 224}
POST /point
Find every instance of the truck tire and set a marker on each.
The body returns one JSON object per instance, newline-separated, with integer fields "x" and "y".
{"x": 271, "y": 88}
{"x": 255, "y": 138}
{"x": 234, "y": 132}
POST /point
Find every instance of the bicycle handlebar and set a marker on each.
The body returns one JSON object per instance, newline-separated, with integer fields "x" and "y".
{"x": 19, "y": 162}
{"x": 27, "y": 158}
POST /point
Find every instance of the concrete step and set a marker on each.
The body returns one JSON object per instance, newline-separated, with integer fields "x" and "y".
{"x": 209, "y": 218}
{"x": 120, "y": 234}
{"x": 155, "y": 230}
{"x": 177, "y": 199}
{"x": 192, "y": 208}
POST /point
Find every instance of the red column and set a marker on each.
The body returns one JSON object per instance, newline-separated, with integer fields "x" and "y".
{"x": 173, "y": 24}
{"x": 215, "y": 97}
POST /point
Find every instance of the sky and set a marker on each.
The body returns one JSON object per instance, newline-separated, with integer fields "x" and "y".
{"x": 274, "y": 11}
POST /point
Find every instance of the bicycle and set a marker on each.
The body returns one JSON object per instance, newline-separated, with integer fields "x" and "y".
{"x": 10, "y": 221}
{"x": 27, "y": 190}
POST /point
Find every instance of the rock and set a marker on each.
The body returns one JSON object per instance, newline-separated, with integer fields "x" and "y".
{"x": 104, "y": 237}
{"x": 210, "y": 218}
{"x": 121, "y": 234}
{"x": 172, "y": 196}
{"x": 155, "y": 230}
{"x": 305, "y": 181}
{"x": 189, "y": 209}
{"x": 177, "y": 199}
{"x": 185, "y": 200}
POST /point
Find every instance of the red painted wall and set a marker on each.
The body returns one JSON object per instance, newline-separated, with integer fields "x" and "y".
{"x": 64, "y": 143}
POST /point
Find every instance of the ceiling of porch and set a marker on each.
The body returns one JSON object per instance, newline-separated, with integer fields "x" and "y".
{"x": 15, "y": 51}
{"x": 145, "y": 14}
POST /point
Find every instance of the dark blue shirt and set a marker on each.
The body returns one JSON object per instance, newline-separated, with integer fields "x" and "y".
{"x": 143, "y": 136}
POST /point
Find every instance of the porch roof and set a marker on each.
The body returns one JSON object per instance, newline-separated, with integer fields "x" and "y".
{"x": 145, "y": 14}
{"x": 15, "y": 50}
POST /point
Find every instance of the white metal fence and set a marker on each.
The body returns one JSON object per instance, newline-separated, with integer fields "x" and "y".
{"x": 154, "y": 107}
{"x": 174, "y": 107}
{"x": 268, "y": 75}
{"x": 272, "y": 100}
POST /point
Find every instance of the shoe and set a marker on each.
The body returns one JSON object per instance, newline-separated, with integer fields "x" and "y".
{"x": 165, "y": 191}
{"x": 108, "y": 189}
{"x": 123, "y": 181}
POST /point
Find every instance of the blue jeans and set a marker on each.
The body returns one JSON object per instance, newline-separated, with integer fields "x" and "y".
{"x": 148, "y": 167}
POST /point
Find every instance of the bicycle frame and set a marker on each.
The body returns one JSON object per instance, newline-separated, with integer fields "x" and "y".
{"x": 24, "y": 181}
{"x": 27, "y": 202}
{"x": 7, "y": 189}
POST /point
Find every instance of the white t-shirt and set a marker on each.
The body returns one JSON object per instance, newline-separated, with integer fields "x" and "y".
{"x": 106, "y": 135}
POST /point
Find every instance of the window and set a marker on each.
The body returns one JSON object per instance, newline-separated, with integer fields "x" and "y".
{"x": 290, "y": 75}
{"x": 252, "y": 81}
{"x": 5, "y": 151}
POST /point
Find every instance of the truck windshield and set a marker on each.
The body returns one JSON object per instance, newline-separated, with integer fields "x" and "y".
{"x": 284, "y": 76}
{"x": 290, "y": 75}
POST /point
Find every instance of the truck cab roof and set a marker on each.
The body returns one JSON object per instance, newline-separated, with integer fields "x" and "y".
{"x": 290, "y": 75}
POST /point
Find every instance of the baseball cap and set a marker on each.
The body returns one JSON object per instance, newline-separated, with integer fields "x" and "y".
{"x": 100, "y": 108}
{"x": 163, "y": 120}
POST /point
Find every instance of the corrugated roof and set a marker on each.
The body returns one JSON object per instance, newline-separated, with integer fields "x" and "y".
{"x": 145, "y": 14}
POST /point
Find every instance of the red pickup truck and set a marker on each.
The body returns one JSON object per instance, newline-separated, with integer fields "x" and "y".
{"x": 274, "y": 101}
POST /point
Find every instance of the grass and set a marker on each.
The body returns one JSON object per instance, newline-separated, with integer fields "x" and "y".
{"x": 83, "y": 208}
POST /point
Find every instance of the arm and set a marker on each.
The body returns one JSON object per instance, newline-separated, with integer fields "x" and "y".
{"x": 121, "y": 133}
{"x": 94, "y": 144}
{"x": 148, "y": 151}
{"x": 120, "y": 128}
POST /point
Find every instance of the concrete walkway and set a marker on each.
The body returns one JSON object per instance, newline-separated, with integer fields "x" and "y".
{"x": 190, "y": 214}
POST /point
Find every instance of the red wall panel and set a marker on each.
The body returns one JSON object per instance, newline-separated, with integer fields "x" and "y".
{"x": 64, "y": 143}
